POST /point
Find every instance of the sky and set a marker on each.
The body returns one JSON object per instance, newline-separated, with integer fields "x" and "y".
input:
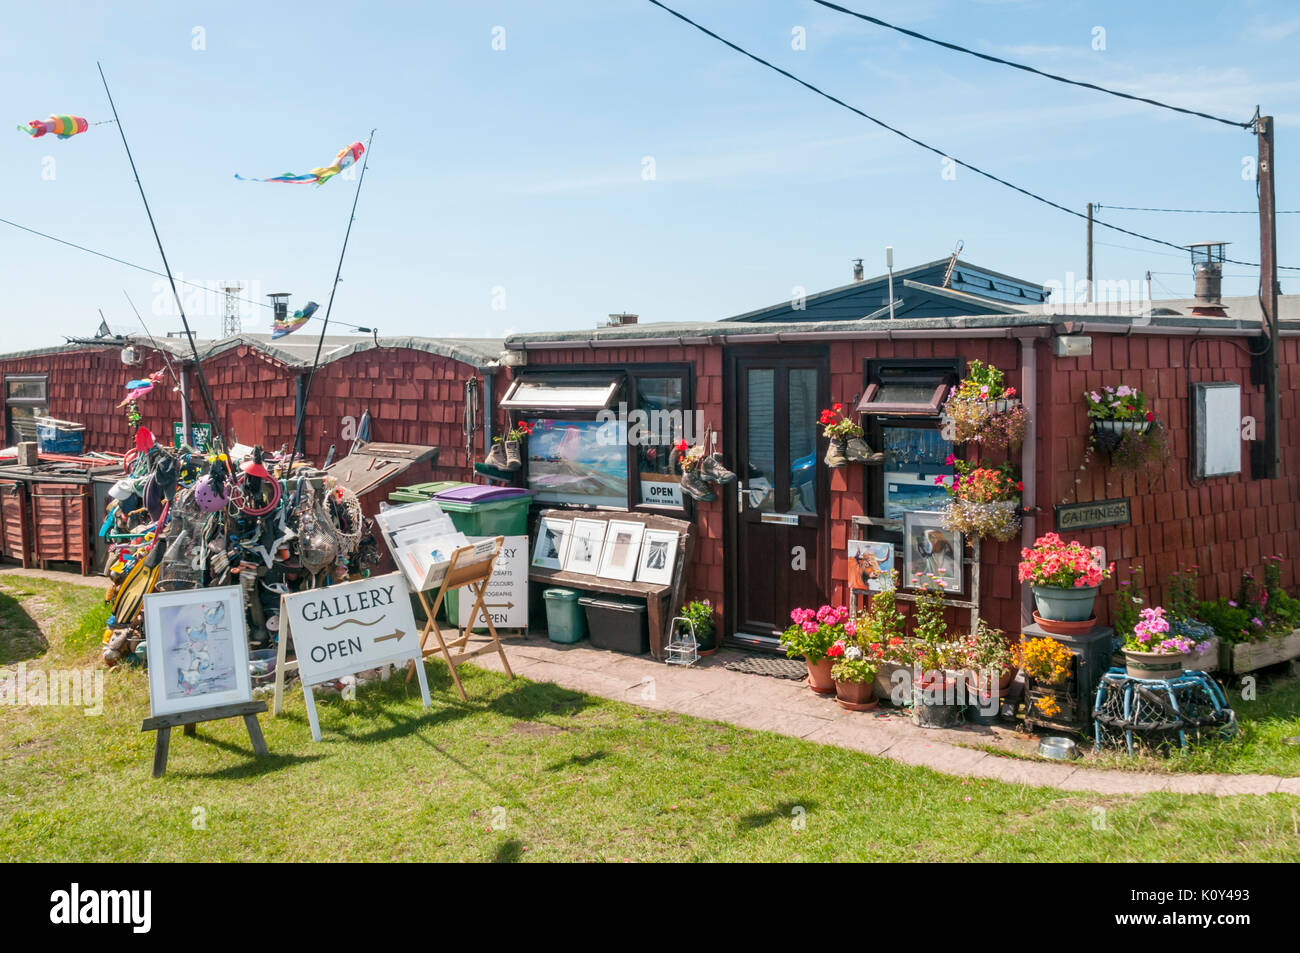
{"x": 540, "y": 164}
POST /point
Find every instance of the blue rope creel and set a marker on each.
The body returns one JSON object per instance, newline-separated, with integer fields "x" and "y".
{"x": 1157, "y": 713}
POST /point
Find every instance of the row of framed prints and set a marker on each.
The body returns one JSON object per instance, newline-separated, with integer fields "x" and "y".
{"x": 614, "y": 549}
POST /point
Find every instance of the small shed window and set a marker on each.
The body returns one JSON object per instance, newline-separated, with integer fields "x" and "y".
{"x": 553, "y": 392}
{"x": 906, "y": 391}
{"x": 26, "y": 398}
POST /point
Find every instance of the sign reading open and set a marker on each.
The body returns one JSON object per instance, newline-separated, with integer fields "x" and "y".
{"x": 345, "y": 629}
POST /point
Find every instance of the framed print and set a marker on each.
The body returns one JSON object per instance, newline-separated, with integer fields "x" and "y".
{"x": 871, "y": 565}
{"x": 198, "y": 649}
{"x": 931, "y": 550}
{"x": 658, "y": 556}
{"x": 552, "y": 542}
{"x": 622, "y": 547}
{"x": 585, "y": 544}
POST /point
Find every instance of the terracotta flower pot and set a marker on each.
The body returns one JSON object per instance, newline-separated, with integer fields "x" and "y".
{"x": 819, "y": 676}
{"x": 856, "y": 696}
{"x": 1056, "y": 627}
{"x": 1155, "y": 665}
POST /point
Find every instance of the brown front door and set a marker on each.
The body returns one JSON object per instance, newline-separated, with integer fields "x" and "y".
{"x": 780, "y": 553}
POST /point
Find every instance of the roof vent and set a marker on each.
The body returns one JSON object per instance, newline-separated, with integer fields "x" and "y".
{"x": 280, "y": 305}
{"x": 857, "y": 269}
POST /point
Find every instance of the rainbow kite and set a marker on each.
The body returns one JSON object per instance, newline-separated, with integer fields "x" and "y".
{"x": 279, "y": 328}
{"x": 346, "y": 157}
{"x": 62, "y": 126}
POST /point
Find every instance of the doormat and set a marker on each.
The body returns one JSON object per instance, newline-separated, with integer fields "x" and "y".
{"x": 772, "y": 667}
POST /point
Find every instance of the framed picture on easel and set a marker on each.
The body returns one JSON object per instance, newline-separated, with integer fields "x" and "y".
{"x": 198, "y": 650}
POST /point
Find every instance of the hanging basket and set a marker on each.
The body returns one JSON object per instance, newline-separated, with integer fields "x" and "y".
{"x": 993, "y": 423}
{"x": 1108, "y": 433}
{"x": 999, "y": 520}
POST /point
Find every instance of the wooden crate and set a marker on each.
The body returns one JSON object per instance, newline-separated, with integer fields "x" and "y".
{"x": 15, "y": 524}
{"x": 1251, "y": 656}
{"x": 61, "y": 515}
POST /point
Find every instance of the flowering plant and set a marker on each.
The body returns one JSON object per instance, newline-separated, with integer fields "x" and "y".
{"x": 982, "y": 382}
{"x": 855, "y": 661}
{"x": 986, "y": 649}
{"x": 700, "y": 614}
{"x": 1044, "y": 660}
{"x": 1056, "y": 563}
{"x": 971, "y": 415}
{"x": 1118, "y": 403}
{"x": 688, "y": 456}
{"x": 814, "y": 632}
{"x": 836, "y": 426}
{"x": 519, "y": 431}
{"x": 1151, "y": 634}
{"x": 985, "y": 501}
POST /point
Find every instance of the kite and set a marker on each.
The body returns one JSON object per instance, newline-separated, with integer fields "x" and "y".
{"x": 346, "y": 157}
{"x": 282, "y": 326}
{"x": 135, "y": 389}
{"x": 62, "y": 126}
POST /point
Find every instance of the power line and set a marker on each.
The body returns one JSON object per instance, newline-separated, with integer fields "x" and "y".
{"x": 929, "y": 148}
{"x": 1191, "y": 211}
{"x": 151, "y": 271}
{"x": 1031, "y": 69}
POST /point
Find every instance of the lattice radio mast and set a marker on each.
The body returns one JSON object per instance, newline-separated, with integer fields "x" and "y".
{"x": 232, "y": 323}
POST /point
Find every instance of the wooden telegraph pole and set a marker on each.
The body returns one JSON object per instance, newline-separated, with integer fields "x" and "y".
{"x": 1088, "y": 291}
{"x": 1271, "y": 463}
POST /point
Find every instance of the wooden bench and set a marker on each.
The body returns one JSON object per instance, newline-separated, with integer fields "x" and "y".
{"x": 661, "y": 600}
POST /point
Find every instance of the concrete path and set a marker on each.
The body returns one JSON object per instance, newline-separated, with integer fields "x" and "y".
{"x": 707, "y": 690}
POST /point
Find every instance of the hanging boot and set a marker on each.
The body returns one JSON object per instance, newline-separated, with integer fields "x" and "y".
{"x": 496, "y": 457}
{"x": 694, "y": 484}
{"x": 711, "y": 469}
{"x": 835, "y": 456}
{"x": 514, "y": 458}
{"x": 857, "y": 450}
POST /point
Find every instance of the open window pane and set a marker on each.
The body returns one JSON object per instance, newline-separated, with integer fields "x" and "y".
{"x": 906, "y": 392}
{"x": 555, "y": 392}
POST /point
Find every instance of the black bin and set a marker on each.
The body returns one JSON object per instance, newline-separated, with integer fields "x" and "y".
{"x": 617, "y": 623}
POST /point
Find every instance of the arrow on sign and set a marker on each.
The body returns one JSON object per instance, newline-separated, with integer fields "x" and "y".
{"x": 395, "y": 635}
{"x": 498, "y": 605}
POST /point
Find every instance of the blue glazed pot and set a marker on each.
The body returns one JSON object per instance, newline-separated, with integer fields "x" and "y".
{"x": 1065, "y": 605}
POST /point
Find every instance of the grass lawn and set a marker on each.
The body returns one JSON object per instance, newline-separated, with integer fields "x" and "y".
{"x": 527, "y": 771}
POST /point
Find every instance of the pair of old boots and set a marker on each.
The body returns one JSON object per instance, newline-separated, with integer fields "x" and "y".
{"x": 696, "y": 480}
{"x": 505, "y": 455}
{"x": 841, "y": 453}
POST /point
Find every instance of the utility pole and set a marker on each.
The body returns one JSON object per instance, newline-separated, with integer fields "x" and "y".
{"x": 1271, "y": 462}
{"x": 1088, "y": 287}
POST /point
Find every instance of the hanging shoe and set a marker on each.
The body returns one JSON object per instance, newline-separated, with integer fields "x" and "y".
{"x": 514, "y": 458}
{"x": 835, "y": 457}
{"x": 711, "y": 469}
{"x": 694, "y": 484}
{"x": 857, "y": 450}
{"x": 496, "y": 457}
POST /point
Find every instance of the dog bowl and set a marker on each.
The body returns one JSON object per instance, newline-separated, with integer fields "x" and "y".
{"x": 1058, "y": 748}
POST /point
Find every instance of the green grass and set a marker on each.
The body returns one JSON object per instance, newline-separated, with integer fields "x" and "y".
{"x": 530, "y": 771}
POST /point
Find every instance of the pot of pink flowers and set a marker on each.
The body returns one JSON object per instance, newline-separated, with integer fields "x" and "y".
{"x": 1151, "y": 652}
{"x": 811, "y": 635}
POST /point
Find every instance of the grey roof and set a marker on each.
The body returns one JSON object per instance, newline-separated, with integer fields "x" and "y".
{"x": 480, "y": 353}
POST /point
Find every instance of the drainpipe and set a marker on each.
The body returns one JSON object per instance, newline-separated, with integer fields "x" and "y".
{"x": 185, "y": 404}
{"x": 1028, "y": 460}
{"x": 489, "y": 378}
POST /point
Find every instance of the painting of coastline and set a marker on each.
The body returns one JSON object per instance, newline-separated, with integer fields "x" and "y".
{"x": 578, "y": 461}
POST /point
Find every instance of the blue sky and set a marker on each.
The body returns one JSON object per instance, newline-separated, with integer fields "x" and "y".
{"x": 515, "y": 177}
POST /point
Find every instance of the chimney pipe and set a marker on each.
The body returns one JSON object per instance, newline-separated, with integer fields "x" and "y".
{"x": 857, "y": 269}
{"x": 280, "y": 304}
{"x": 1207, "y": 271}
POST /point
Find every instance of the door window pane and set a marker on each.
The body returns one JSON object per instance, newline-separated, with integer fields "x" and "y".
{"x": 760, "y": 394}
{"x": 803, "y": 412}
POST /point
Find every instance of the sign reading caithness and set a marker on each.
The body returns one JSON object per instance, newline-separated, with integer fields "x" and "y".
{"x": 1094, "y": 515}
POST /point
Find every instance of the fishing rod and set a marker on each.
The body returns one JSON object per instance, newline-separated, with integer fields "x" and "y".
{"x": 213, "y": 417}
{"x": 320, "y": 341}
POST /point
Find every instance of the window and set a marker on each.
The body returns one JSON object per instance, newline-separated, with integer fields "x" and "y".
{"x": 558, "y": 392}
{"x": 25, "y": 400}
{"x": 597, "y": 442}
{"x": 911, "y": 390}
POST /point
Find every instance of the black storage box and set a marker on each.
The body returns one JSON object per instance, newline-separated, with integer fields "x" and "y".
{"x": 617, "y": 623}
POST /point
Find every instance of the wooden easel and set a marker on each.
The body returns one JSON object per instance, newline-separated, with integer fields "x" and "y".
{"x": 475, "y": 576}
{"x": 186, "y": 720}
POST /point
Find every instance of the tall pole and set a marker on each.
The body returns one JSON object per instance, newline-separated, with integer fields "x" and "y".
{"x": 1268, "y": 289}
{"x": 1088, "y": 287}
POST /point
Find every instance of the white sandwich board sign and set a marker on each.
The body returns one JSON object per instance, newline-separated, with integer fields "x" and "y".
{"x": 506, "y": 597}
{"x": 344, "y": 629}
